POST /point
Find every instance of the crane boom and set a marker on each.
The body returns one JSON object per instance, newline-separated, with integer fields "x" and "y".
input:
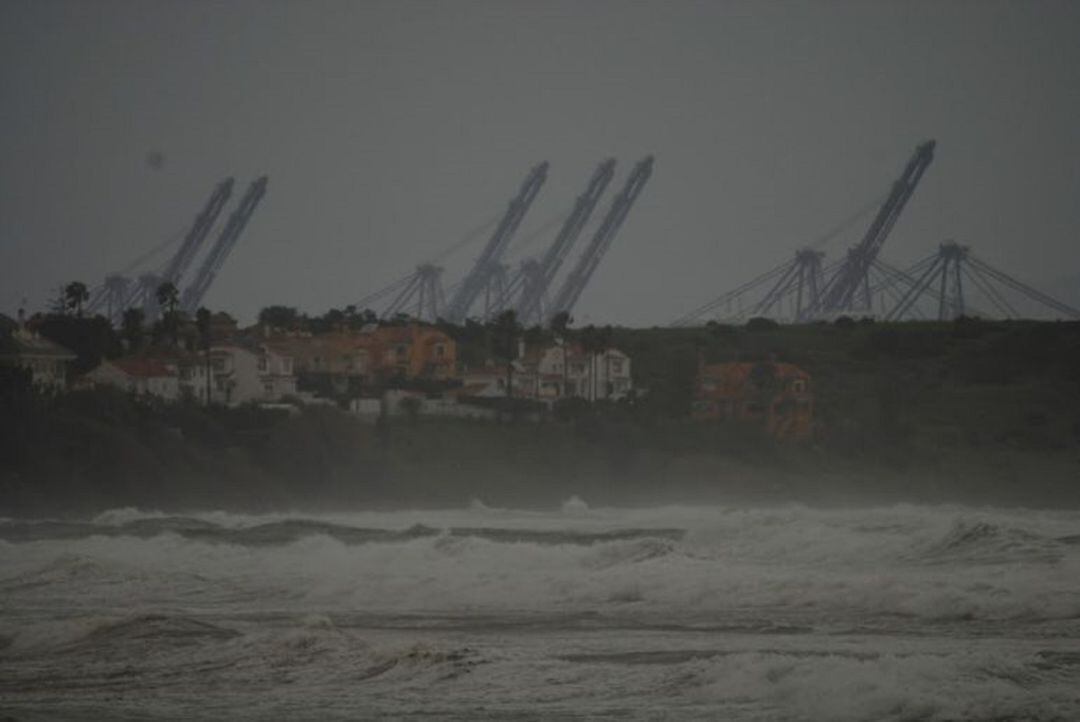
{"x": 215, "y": 258}
{"x": 851, "y": 277}
{"x": 538, "y": 276}
{"x": 181, "y": 260}
{"x": 579, "y": 277}
{"x": 488, "y": 263}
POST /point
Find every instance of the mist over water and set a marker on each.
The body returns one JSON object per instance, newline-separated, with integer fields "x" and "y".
{"x": 900, "y": 612}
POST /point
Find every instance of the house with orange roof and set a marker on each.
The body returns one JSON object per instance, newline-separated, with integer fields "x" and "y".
{"x": 773, "y": 394}
{"x": 344, "y": 361}
{"x": 416, "y": 351}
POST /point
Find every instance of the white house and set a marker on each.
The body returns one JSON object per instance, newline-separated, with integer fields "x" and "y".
{"x": 566, "y": 371}
{"x": 143, "y": 376}
{"x": 555, "y": 372}
{"x": 192, "y": 377}
{"x": 47, "y": 361}
{"x": 257, "y": 374}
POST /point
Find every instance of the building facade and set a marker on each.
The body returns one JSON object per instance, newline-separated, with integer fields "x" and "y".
{"x": 250, "y": 375}
{"x": 777, "y": 396}
{"x": 141, "y": 376}
{"x": 46, "y": 360}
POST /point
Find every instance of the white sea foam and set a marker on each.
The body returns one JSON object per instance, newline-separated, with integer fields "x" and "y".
{"x": 796, "y": 613}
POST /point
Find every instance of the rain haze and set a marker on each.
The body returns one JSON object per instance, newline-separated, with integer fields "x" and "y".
{"x": 539, "y": 360}
{"x": 391, "y": 130}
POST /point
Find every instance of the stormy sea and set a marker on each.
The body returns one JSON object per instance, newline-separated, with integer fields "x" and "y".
{"x": 785, "y": 613}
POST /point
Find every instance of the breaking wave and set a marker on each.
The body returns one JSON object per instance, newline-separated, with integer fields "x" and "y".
{"x": 901, "y": 612}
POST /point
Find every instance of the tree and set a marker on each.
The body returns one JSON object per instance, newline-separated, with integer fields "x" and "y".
{"x": 90, "y": 339}
{"x": 560, "y": 321}
{"x": 202, "y": 322}
{"x": 283, "y": 317}
{"x": 760, "y": 323}
{"x": 75, "y": 295}
{"x": 595, "y": 341}
{"x": 131, "y": 328}
{"x": 505, "y": 331}
{"x": 168, "y": 298}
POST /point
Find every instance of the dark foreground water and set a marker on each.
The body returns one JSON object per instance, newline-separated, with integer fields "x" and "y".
{"x": 899, "y": 613}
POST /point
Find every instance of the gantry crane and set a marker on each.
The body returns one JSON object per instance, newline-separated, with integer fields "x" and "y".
{"x": 215, "y": 258}
{"x": 589, "y": 260}
{"x": 852, "y": 279}
{"x": 537, "y": 275}
{"x": 488, "y": 265}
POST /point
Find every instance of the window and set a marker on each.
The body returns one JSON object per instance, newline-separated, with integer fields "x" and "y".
{"x": 268, "y": 387}
{"x": 219, "y": 364}
{"x": 262, "y": 363}
{"x": 440, "y": 350}
{"x": 616, "y": 366}
{"x": 402, "y": 350}
{"x": 798, "y": 386}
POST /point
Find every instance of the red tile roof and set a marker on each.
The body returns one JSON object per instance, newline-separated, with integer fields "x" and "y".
{"x": 143, "y": 367}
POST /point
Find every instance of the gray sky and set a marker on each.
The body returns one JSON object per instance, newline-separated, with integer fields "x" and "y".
{"x": 389, "y": 130}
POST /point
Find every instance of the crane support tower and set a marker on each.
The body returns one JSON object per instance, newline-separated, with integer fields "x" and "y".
{"x": 802, "y": 279}
{"x": 538, "y": 275}
{"x": 852, "y": 280}
{"x": 422, "y": 296}
{"x": 193, "y": 295}
{"x": 941, "y": 277}
{"x": 478, "y": 280}
{"x": 587, "y": 263}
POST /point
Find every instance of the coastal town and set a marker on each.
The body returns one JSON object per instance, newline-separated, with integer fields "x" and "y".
{"x": 405, "y": 368}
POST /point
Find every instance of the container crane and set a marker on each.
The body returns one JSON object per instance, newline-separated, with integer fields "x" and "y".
{"x": 538, "y": 275}
{"x": 852, "y": 278}
{"x": 215, "y": 258}
{"x": 575, "y": 283}
{"x": 185, "y": 254}
{"x": 488, "y": 264}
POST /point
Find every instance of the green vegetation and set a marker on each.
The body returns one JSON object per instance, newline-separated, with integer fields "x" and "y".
{"x": 968, "y": 410}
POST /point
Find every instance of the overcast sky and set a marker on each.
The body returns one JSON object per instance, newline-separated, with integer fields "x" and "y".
{"x": 389, "y": 130}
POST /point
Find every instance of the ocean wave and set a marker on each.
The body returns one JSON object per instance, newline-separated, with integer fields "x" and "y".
{"x": 984, "y": 542}
{"x": 287, "y": 531}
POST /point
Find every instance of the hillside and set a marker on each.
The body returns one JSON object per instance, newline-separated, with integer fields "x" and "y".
{"x": 971, "y": 411}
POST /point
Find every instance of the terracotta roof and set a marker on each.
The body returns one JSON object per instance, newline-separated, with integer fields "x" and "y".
{"x": 733, "y": 378}
{"x": 143, "y": 367}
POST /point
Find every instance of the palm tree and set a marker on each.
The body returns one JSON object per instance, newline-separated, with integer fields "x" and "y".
{"x": 560, "y": 323}
{"x": 168, "y": 298}
{"x": 202, "y": 322}
{"x": 75, "y": 294}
